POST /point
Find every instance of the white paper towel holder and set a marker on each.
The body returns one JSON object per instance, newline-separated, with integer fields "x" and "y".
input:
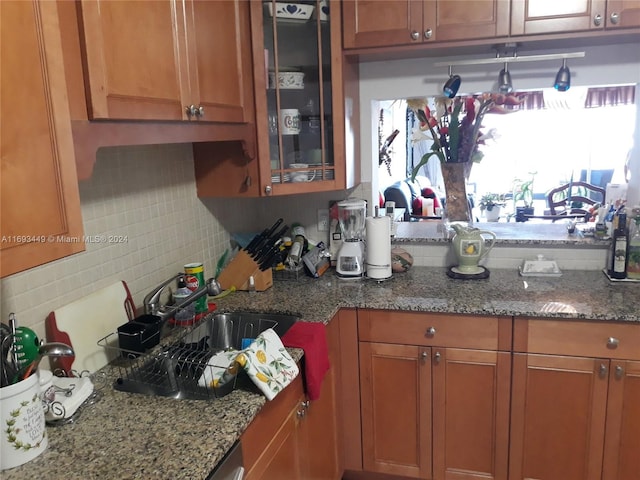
{"x": 378, "y": 248}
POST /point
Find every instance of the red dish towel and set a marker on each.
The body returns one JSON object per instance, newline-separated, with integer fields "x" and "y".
{"x": 312, "y": 338}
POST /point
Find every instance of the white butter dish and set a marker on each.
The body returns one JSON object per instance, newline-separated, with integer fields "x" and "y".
{"x": 540, "y": 268}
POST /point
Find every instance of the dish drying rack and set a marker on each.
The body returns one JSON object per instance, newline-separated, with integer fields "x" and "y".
{"x": 177, "y": 366}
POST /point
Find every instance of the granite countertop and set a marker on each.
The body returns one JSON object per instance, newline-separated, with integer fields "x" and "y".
{"x": 510, "y": 233}
{"x": 131, "y": 436}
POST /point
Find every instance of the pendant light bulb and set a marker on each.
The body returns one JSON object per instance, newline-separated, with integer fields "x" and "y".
{"x": 504, "y": 80}
{"x": 452, "y": 85}
{"x": 563, "y": 77}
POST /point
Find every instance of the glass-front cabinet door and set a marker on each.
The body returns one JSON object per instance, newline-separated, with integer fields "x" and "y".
{"x": 298, "y": 101}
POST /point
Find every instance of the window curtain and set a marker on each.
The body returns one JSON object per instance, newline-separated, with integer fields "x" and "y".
{"x": 610, "y": 96}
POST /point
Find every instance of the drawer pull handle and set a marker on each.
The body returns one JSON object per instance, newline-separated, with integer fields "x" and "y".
{"x": 597, "y": 20}
{"x": 619, "y": 372}
{"x": 305, "y": 404}
{"x": 614, "y": 17}
{"x": 415, "y": 35}
{"x": 613, "y": 342}
{"x": 436, "y": 357}
{"x": 428, "y": 33}
{"x": 431, "y": 332}
{"x": 301, "y": 413}
{"x": 603, "y": 370}
{"x": 424, "y": 356}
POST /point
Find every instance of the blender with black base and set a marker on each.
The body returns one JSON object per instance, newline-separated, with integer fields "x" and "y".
{"x": 350, "y": 261}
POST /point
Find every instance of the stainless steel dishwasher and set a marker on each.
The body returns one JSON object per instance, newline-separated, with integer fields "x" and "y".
{"x": 230, "y": 467}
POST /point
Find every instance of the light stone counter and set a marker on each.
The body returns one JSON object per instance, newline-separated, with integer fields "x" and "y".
{"x": 131, "y": 436}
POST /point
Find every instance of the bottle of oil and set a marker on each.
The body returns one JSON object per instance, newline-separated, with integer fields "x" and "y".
{"x": 619, "y": 245}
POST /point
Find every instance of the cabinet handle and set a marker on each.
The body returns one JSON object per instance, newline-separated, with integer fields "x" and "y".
{"x": 436, "y": 357}
{"x": 428, "y": 33}
{"x": 200, "y": 111}
{"x": 191, "y": 110}
{"x": 431, "y": 332}
{"x": 603, "y": 370}
{"x": 619, "y": 372}
{"x": 612, "y": 342}
{"x": 424, "y": 356}
{"x": 267, "y": 190}
{"x": 305, "y": 404}
{"x": 614, "y": 17}
{"x": 597, "y": 20}
{"x": 301, "y": 413}
{"x": 414, "y": 35}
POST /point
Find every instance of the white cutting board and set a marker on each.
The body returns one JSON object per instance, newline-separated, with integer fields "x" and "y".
{"x": 83, "y": 322}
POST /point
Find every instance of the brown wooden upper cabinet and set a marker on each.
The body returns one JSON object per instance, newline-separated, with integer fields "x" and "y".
{"x": 377, "y": 23}
{"x": 530, "y": 17}
{"x": 306, "y": 107}
{"x": 40, "y": 218}
{"x": 167, "y": 60}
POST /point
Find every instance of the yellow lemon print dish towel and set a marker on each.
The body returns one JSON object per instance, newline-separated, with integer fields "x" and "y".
{"x": 265, "y": 360}
{"x": 268, "y": 363}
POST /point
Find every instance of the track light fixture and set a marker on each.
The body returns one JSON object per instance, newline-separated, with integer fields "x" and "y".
{"x": 504, "y": 80}
{"x": 452, "y": 85}
{"x": 562, "y": 81}
{"x": 563, "y": 77}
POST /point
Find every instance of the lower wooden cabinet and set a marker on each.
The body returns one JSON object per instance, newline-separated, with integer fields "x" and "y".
{"x": 575, "y": 400}
{"x": 471, "y": 393}
{"x": 293, "y": 438}
{"x": 559, "y": 411}
{"x": 433, "y": 411}
{"x": 622, "y": 434}
{"x": 395, "y": 385}
{"x": 575, "y": 418}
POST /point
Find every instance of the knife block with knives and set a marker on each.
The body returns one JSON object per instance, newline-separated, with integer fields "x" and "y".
{"x": 254, "y": 260}
{"x": 240, "y": 268}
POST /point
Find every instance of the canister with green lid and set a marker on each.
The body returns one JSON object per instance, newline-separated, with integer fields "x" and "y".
{"x": 194, "y": 277}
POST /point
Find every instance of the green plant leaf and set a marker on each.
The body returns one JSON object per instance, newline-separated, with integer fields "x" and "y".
{"x": 423, "y": 161}
{"x": 454, "y": 132}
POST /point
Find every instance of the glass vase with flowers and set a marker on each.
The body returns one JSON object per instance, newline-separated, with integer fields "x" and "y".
{"x": 454, "y": 128}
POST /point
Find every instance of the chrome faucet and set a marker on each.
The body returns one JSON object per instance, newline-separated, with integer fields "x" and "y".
{"x": 151, "y": 301}
{"x": 153, "y": 306}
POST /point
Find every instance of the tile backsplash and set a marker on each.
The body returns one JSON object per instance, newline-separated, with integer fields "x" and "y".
{"x": 141, "y": 209}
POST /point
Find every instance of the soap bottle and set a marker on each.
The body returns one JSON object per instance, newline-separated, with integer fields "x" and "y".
{"x": 184, "y": 314}
{"x": 633, "y": 254}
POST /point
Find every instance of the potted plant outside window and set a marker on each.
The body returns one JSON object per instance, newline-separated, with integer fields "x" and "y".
{"x": 523, "y": 192}
{"x": 491, "y": 204}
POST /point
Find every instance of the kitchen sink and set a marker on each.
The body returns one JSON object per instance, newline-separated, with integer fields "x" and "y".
{"x": 174, "y": 370}
{"x": 224, "y": 331}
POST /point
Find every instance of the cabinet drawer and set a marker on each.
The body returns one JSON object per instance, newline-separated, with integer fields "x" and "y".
{"x": 570, "y": 337}
{"x": 435, "y": 329}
